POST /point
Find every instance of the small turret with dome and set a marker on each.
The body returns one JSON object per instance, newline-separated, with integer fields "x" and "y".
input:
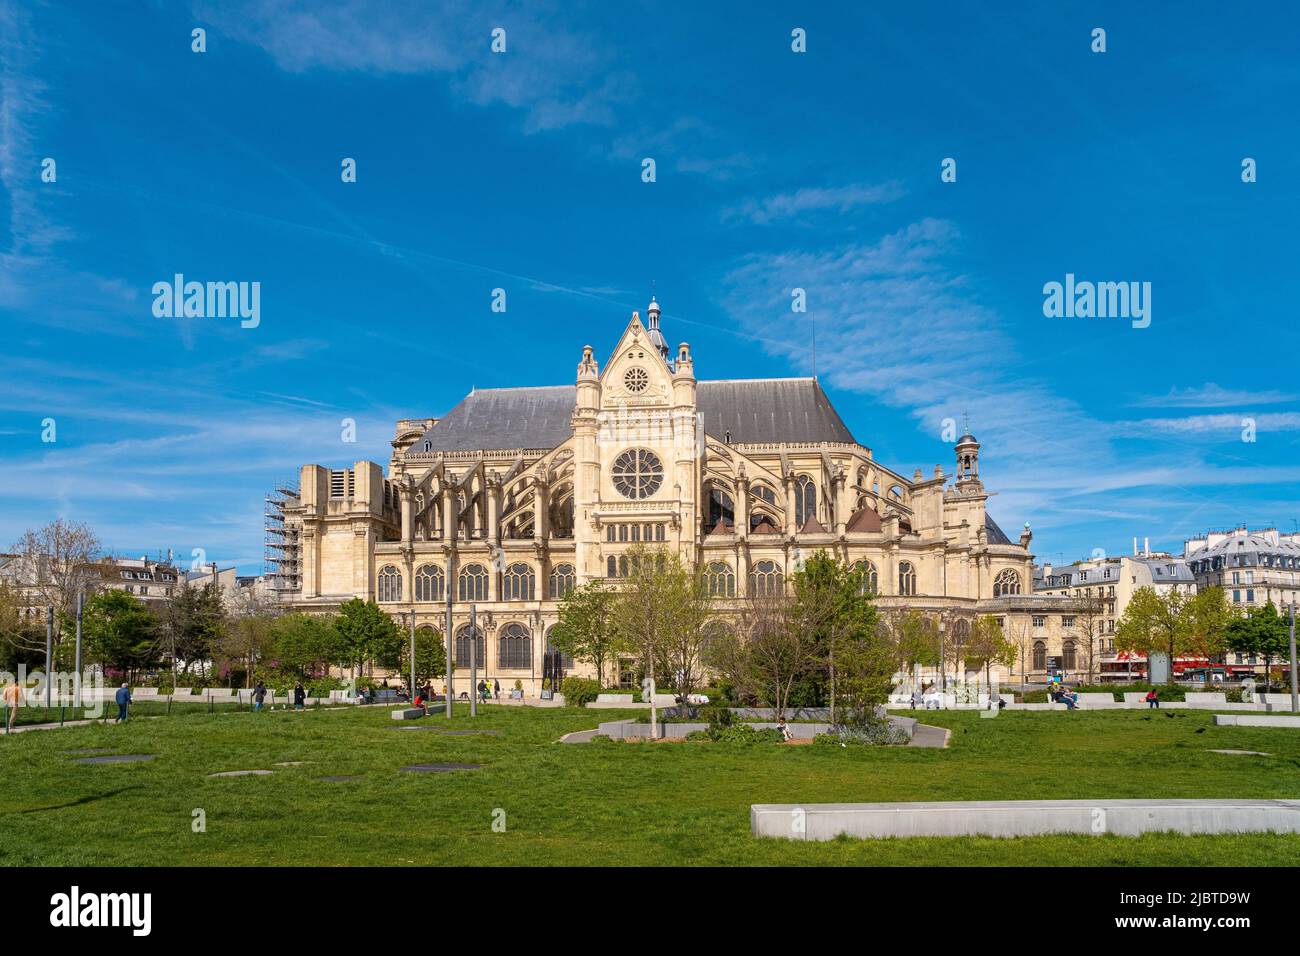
{"x": 652, "y": 329}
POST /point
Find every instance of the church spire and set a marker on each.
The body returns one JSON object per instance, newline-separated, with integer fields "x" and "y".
{"x": 652, "y": 329}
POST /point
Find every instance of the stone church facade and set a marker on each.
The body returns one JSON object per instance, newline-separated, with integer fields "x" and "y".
{"x": 519, "y": 494}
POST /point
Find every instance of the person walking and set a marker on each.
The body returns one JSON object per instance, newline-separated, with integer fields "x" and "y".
{"x": 496, "y": 689}
{"x": 299, "y": 696}
{"x": 123, "y": 699}
{"x": 259, "y": 696}
{"x": 13, "y": 699}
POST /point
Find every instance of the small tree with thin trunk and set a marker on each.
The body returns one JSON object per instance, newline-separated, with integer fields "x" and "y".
{"x": 585, "y": 630}
{"x": 1152, "y": 623}
{"x": 660, "y": 616}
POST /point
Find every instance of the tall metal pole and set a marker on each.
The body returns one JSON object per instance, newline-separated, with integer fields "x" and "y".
{"x": 473, "y": 662}
{"x": 451, "y": 665}
{"x": 76, "y": 675}
{"x": 49, "y": 650}
{"x": 1295, "y": 692}
{"x": 412, "y": 656}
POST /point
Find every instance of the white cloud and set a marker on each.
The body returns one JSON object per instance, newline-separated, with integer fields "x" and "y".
{"x": 790, "y": 205}
{"x": 895, "y": 321}
{"x": 1211, "y": 395}
{"x": 554, "y": 75}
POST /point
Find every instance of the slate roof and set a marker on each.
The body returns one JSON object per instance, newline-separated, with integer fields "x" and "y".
{"x": 754, "y": 410}
{"x": 995, "y": 534}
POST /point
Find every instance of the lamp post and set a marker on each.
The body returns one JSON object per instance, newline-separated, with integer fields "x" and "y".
{"x": 473, "y": 661}
{"x": 451, "y": 664}
{"x": 76, "y": 674}
{"x": 49, "y": 650}
{"x": 1295, "y": 691}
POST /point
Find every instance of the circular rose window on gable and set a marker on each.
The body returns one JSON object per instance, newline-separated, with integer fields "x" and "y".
{"x": 636, "y": 380}
{"x": 637, "y": 473}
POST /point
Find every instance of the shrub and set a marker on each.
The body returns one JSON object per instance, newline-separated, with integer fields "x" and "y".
{"x": 874, "y": 733}
{"x": 737, "y": 734}
{"x": 717, "y": 717}
{"x": 579, "y": 691}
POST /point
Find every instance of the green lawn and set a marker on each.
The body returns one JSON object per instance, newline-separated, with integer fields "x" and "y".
{"x": 602, "y": 803}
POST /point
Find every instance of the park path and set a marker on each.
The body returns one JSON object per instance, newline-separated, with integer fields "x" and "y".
{"x": 923, "y": 735}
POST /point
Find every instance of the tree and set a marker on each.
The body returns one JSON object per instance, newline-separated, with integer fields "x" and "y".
{"x": 1208, "y": 615}
{"x": 119, "y": 631}
{"x": 768, "y": 653}
{"x": 249, "y": 635}
{"x": 367, "y": 633}
{"x": 831, "y": 604}
{"x": 1019, "y": 634}
{"x": 55, "y": 564}
{"x": 22, "y": 635}
{"x": 585, "y": 630}
{"x": 988, "y": 645}
{"x": 1261, "y": 633}
{"x": 1155, "y": 623}
{"x": 307, "y": 643}
{"x": 430, "y": 657}
{"x": 193, "y": 623}
{"x": 1089, "y": 610}
{"x": 914, "y": 637}
{"x": 653, "y": 602}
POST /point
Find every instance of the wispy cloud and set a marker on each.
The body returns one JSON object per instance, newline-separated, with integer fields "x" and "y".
{"x": 552, "y": 73}
{"x": 1227, "y": 425}
{"x": 895, "y": 320}
{"x": 1211, "y": 395}
{"x": 791, "y": 205}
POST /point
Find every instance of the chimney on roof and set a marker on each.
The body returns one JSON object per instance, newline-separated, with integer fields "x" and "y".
{"x": 1135, "y": 546}
{"x": 1146, "y": 547}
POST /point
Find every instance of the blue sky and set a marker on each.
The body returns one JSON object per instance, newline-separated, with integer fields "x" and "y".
{"x": 775, "y": 170}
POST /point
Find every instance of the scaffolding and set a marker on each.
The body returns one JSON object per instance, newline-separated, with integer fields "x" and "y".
{"x": 282, "y": 547}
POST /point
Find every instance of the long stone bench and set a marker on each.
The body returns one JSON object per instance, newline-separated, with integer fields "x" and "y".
{"x": 1277, "y": 701}
{"x": 1207, "y": 699}
{"x": 1256, "y": 720}
{"x": 1093, "y": 701}
{"x": 1013, "y": 818}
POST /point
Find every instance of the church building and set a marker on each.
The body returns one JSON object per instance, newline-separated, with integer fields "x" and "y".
{"x": 518, "y": 495}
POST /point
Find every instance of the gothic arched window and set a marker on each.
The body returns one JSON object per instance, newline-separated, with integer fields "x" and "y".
{"x": 1007, "y": 582}
{"x": 463, "y": 647}
{"x": 720, "y": 580}
{"x": 473, "y": 583}
{"x": 805, "y": 500}
{"x": 1040, "y": 656}
{"x": 563, "y": 580}
{"x": 515, "y": 647}
{"x": 517, "y": 584}
{"x": 390, "y": 584}
{"x": 906, "y": 578}
{"x": 721, "y": 508}
{"x": 1068, "y": 655}
{"x": 870, "y": 583}
{"x": 765, "y": 579}
{"x": 428, "y": 583}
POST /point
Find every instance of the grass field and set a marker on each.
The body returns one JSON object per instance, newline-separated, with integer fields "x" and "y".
{"x": 603, "y": 803}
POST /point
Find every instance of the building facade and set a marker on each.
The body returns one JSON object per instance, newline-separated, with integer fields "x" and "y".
{"x": 518, "y": 495}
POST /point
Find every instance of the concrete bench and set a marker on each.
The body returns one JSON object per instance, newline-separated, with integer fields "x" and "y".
{"x": 1256, "y": 720}
{"x": 613, "y": 698}
{"x": 1093, "y": 701}
{"x": 1276, "y": 701}
{"x": 1207, "y": 699}
{"x": 182, "y": 691}
{"x": 138, "y": 692}
{"x": 1014, "y": 818}
{"x": 408, "y": 713}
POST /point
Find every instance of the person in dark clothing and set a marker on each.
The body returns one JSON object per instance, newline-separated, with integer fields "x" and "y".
{"x": 123, "y": 699}
{"x": 496, "y": 689}
{"x": 259, "y": 696}
{"x": 299, "y": 696}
